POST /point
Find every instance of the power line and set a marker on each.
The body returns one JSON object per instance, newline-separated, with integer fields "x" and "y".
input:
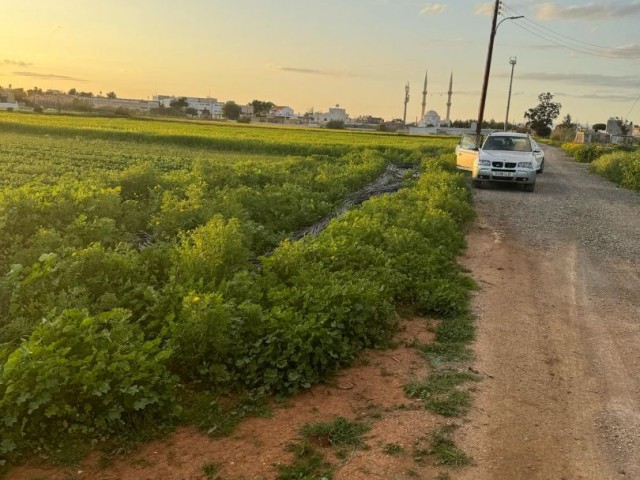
{"x": 562, "y": 40}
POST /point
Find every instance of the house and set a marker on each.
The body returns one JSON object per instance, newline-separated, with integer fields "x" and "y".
{"x": 282, "y": 112}
{"x": 335, "y": 114}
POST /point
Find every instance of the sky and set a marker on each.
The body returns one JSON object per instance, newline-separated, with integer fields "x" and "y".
{"x": 315, "y": 54}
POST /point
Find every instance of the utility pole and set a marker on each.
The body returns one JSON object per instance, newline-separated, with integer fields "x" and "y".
{"x": 406, "y": 101}
{"x": 512, "y": 61}
{"x": 487, "y": 69}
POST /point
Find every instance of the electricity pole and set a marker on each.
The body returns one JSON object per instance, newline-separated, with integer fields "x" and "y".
{"x": 487, "y": 69}
{"x": 512, "y": 61}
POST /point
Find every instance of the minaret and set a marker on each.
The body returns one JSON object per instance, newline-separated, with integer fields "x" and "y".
{"x": 449, "y": 101}
{"x": 424, "y": 95}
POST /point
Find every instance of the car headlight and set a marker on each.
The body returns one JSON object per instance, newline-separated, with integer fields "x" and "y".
{"x": 525, "y": 165}
{"x": 484, "y": 162}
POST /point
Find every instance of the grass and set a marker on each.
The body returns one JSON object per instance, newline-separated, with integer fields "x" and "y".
{"x": 308, "y": 464}
{"x": 440, "y": 392}
{"x": 339, "y": 433}
{"x": 210, "y": 470}
{"x": 205, "y": 411}
{"x": 393, "y": 449}
{"x": 445, "y": 450}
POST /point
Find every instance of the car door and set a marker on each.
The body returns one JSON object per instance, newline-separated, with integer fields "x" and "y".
{"x": 538, "y": 153}
{"x": 466, "y": 152}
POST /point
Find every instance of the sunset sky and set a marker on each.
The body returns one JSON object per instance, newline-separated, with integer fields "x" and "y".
{"x": 318, "y": 53}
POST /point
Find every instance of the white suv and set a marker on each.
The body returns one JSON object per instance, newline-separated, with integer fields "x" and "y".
{"x": 504, "y": 157}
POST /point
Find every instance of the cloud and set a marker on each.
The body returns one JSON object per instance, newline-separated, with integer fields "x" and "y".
{"x": 590, "y": 11}
{"x": 16, "y": 63}
{"x": 589, "y": 79}
{"x": 610, "y": 97}
{"x": 484, "y": 9}
{"x": 433, "y": 8}
{"x": 48, "y": 76}
{"x": 313, "y": 71}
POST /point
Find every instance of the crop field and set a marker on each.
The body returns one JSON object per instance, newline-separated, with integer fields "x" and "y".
{"x": 146, "y": 265}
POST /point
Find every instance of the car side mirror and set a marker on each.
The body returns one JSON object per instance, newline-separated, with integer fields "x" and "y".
{"x": 537, "y": 150}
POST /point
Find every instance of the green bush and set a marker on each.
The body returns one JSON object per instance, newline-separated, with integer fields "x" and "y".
{"x": 621, "y": 167}
{"x": 583, "y": 152}
{"x": 82, "y": 379}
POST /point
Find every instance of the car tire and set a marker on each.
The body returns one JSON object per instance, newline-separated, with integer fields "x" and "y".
{"x": 541, "y": 169}
{"x": 529, "y": 187}
{"x": 476, "y": 183}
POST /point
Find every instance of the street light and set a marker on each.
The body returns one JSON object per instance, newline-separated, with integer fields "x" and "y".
{"x": 485, "y": 83}
{"x": 512, "y": 61}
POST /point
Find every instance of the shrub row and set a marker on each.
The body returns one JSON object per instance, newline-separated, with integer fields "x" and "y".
{"x": 620, "y": 167}
{"x": 198, "y": 315}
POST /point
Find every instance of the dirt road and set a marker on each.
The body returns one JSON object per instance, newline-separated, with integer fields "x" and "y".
{"x": 558, "y": 330}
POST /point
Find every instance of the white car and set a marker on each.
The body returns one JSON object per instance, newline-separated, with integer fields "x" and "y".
{"x": 503, "y": 157}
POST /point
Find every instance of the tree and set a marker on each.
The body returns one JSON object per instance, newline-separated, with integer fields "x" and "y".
{"x": 565, "y": 131}
{"x": 179, "y": 103}
{"x": 260, "y": 108}
{"x": 112, "y": 95}
{"x": 600, "y": 127}
{"x": 541, "y": 117}
{"x": 231, "y": 110}
{"x": 192, "y": 112}
{"x": 335, "y": 125}
{"x": 73, "y": 91}
{"x": 567, "y": 123}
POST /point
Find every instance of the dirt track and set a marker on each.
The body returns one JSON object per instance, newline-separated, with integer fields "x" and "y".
{"x": 558, "y": 330}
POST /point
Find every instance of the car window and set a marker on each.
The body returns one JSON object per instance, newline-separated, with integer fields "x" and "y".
{"x": 513, "y": 144}
{"x": 468, "y": 142}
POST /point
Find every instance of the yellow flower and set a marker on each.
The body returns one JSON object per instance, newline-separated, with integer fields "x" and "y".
{"x": 195, "y": 299}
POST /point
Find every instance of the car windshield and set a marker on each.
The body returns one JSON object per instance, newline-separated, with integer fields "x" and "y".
{"x": 513, "y": 144}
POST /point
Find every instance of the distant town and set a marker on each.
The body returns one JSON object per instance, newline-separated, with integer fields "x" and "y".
{"x": 260, "y": 111}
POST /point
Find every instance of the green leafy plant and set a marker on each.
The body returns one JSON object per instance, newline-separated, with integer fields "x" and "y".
{"x": 82, "y": 379}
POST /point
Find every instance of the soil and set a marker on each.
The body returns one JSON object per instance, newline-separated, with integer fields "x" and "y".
{"x": 371, "y": 391}
{"x": 557, "y": 346}
{"x": 558, "y": 330}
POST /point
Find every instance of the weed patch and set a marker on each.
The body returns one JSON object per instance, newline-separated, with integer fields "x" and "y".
{"x": 445, "y": 450}
{"x": 308, "y": 464}
{"x": 339, "y": 433}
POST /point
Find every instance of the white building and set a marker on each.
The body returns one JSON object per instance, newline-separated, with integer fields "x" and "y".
{"x": 431, "y": 119}
{"x": 335, "y": 114}
{"x": 282, "y": 112}
{"x": 246, "y": 110}
{"x": 202, "y": 105}
{"x": 429, "y": 124}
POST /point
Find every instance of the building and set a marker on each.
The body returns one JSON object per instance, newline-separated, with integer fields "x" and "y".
{"x": 206, "y": 106}
{"x": 7, "y": 99}
{"x": 282, "y": 112}
{"x": 335, "y": 114}
{"x": 246, "y": 110}
{"x": 429, "y": 124}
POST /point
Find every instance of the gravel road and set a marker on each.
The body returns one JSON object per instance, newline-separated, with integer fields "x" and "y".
{"x": 558, "y": 329}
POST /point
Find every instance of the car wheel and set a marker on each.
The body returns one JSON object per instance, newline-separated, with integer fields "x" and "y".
{"x": 541, "y": 169}
{"x": 529, "y": 187}
{"x": 476, "y": 183}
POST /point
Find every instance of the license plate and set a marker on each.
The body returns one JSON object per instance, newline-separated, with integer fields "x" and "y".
{"x": 502, "y": 174}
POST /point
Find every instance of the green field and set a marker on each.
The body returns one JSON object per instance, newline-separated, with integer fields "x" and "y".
{"x": 146, "y": 264}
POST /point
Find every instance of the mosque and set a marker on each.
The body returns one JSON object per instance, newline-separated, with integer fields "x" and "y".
{"x": 431, "y": 122}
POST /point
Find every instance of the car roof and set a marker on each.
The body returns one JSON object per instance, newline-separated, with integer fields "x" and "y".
{"x": 509, "y": 134}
